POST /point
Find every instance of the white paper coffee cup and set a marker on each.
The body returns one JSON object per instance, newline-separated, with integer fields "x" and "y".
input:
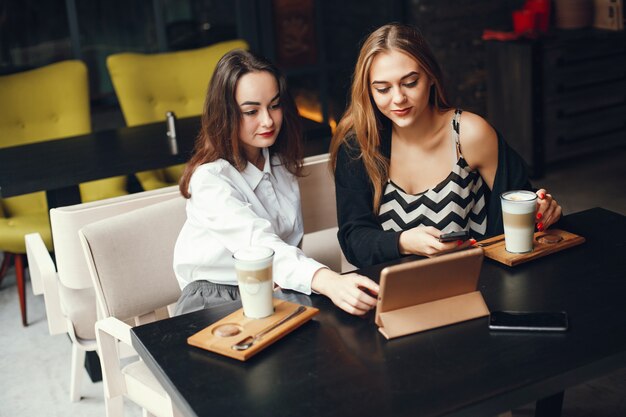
{"x": 518, "y": 217}
{"x": 253, "y": 265}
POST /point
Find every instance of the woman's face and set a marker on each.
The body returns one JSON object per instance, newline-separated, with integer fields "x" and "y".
{"x": 258, "y": 97}
{"x": 399, "y": 87}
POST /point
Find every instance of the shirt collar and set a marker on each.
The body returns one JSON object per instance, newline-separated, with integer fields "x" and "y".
{"x": 253, "y": 175}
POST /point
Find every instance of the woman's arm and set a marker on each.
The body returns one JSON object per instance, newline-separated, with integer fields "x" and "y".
{"x": 219, "y": 209}
{"x": 479, "y": 146}
{"x": 502, "y": 169}
{"x": 361, "y": 238}
{"x": 353, "y": 293}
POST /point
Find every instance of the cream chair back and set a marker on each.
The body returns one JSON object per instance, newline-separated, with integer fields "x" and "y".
{"x": 130, "y": 260}
{"x": 69, "y": 295}
{"x": 67, "y": 221}
{"x": 319, "y": 212}
{"x": 317, "y": 192}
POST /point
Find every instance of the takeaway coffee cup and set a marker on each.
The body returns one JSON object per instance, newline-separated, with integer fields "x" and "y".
{"x": 253, "y": 265}
{"x": 518, "y": 215}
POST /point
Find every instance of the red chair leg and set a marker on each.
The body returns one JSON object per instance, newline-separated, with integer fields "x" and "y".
{"x": 21, "y": 285}
{"x": 6, "y": 262}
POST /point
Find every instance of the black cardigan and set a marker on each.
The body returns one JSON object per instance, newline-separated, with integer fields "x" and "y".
{"x": 360, "y": 234}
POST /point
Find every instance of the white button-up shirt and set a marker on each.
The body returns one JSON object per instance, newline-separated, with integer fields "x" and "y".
{"x": 228, "y": 210}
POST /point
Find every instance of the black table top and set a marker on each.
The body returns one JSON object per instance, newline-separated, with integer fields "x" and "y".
{"x": 339, "y": 365}
{"x": 56, "y": 164}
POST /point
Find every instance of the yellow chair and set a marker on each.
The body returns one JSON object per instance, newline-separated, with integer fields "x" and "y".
{"x": 149, "y": 85}
{"x": 47, "y": 103}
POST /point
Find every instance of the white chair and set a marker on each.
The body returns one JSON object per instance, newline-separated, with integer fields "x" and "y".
{"x": 130, "y": 260}
{"x": 319, "y": 212}
{"x": 69, "y": 297}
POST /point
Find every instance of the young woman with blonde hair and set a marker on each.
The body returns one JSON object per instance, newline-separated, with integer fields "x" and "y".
{"x": 408, "y": 167}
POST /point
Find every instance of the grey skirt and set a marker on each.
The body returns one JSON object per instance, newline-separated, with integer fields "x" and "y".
{"x": 201, "y": 294}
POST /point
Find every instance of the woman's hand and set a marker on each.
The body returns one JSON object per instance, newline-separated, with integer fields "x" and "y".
{"x": 352, "y": 293}
{"x": 548, "y": 210}
{"x": 424, "y": 240}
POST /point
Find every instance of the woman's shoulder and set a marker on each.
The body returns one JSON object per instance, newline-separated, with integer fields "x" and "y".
{"x": 475, "y": 128}
{"x": 478, "y": 139}
{"x": 215, "y": 170}
{"x": 475, "y": 131}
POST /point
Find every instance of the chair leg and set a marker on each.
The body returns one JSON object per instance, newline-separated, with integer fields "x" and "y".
{"x": 114, "y": 406}
{"x": 6, "y": 262}
{"x": 21, "y": 285}
{"x": 78, "y": 358}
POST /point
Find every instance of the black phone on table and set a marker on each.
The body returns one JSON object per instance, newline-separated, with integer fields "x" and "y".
{"x": 551, "y": 321}
{"x": 463, "y": 235}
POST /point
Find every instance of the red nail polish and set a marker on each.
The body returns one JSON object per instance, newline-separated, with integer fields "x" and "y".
{"x": 539, "y": 216}
{"x": 459, "y": 242}
{"x": 472, "y": 241}
{"x": 542, "y": 196}
{"x": 540, "y": 227}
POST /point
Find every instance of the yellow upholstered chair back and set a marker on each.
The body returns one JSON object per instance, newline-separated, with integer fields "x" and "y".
{"x": 38, "y": 105}
{"x": 46, "y": 103}
{"x": 149, "y": 85}
{"x": 51, "y": 102}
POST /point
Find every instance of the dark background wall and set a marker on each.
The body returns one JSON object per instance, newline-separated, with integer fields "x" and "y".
{"x": 92, "y": 30}
{"x": 453, "y": 29}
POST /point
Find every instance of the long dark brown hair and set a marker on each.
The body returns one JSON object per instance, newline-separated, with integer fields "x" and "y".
{"x": 219, "y": 133}
{"x": 362, "y": 119}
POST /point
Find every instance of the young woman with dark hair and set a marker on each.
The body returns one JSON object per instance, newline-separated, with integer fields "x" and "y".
{"x": 242, "y": 190}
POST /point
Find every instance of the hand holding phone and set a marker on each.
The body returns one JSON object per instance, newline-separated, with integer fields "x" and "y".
{"x": 528, "y": 321}
{"x": 463, "y": 235}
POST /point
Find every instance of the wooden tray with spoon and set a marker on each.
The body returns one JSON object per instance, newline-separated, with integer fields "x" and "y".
{"x": 240, "y": 337}
{"x": 545, "y": 243}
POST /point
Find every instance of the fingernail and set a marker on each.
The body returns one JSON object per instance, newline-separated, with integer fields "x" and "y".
{"x": 540, "y": 227}
{"x": 459, "y": 242}
{"x": 542, "y": 195}
{"x": 539, "y": 216}
{"x": 472, "y": 241}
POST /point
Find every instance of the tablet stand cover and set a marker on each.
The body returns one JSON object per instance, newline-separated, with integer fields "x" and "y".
{"x": 430, "y": 293}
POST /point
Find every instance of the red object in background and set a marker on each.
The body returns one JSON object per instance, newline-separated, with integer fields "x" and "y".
{"x": 497, "y": 35}
{"x": 294, "y": 29}
{"x": 524, "y": 21}
{"x": 541, "y": 8}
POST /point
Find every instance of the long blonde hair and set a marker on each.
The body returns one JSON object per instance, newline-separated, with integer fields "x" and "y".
{"x": 362, "y": 121}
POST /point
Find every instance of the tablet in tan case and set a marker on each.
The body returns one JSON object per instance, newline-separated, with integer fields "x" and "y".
{"x": 429, "y": 293}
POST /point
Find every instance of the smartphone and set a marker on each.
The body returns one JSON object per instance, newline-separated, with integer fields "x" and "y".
{"x": 454, "y": 236}
{"x": 529, "y": 321}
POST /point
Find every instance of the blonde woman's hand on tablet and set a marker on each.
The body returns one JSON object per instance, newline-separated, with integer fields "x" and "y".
{"x": 424, "y": 240}
{"x": 353, "y": 293}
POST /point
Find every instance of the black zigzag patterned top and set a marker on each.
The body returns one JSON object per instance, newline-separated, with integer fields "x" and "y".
{"x": 457, "y": 203}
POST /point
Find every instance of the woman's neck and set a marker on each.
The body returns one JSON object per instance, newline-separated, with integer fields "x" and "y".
{"x": 421, "y": 130}
{"x": 256, "y": 158}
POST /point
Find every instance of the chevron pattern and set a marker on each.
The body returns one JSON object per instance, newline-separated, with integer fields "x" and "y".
{"x": 457, "y": 203}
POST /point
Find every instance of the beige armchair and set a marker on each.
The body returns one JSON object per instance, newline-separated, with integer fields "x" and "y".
{"x": 70, "y": 300}
{"x": 319, "y": 212}
{"x": 130, "y": 260}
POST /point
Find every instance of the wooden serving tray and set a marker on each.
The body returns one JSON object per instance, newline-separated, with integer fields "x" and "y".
{"x": 210, "y": 339}
{"x": 547, "y": 242}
